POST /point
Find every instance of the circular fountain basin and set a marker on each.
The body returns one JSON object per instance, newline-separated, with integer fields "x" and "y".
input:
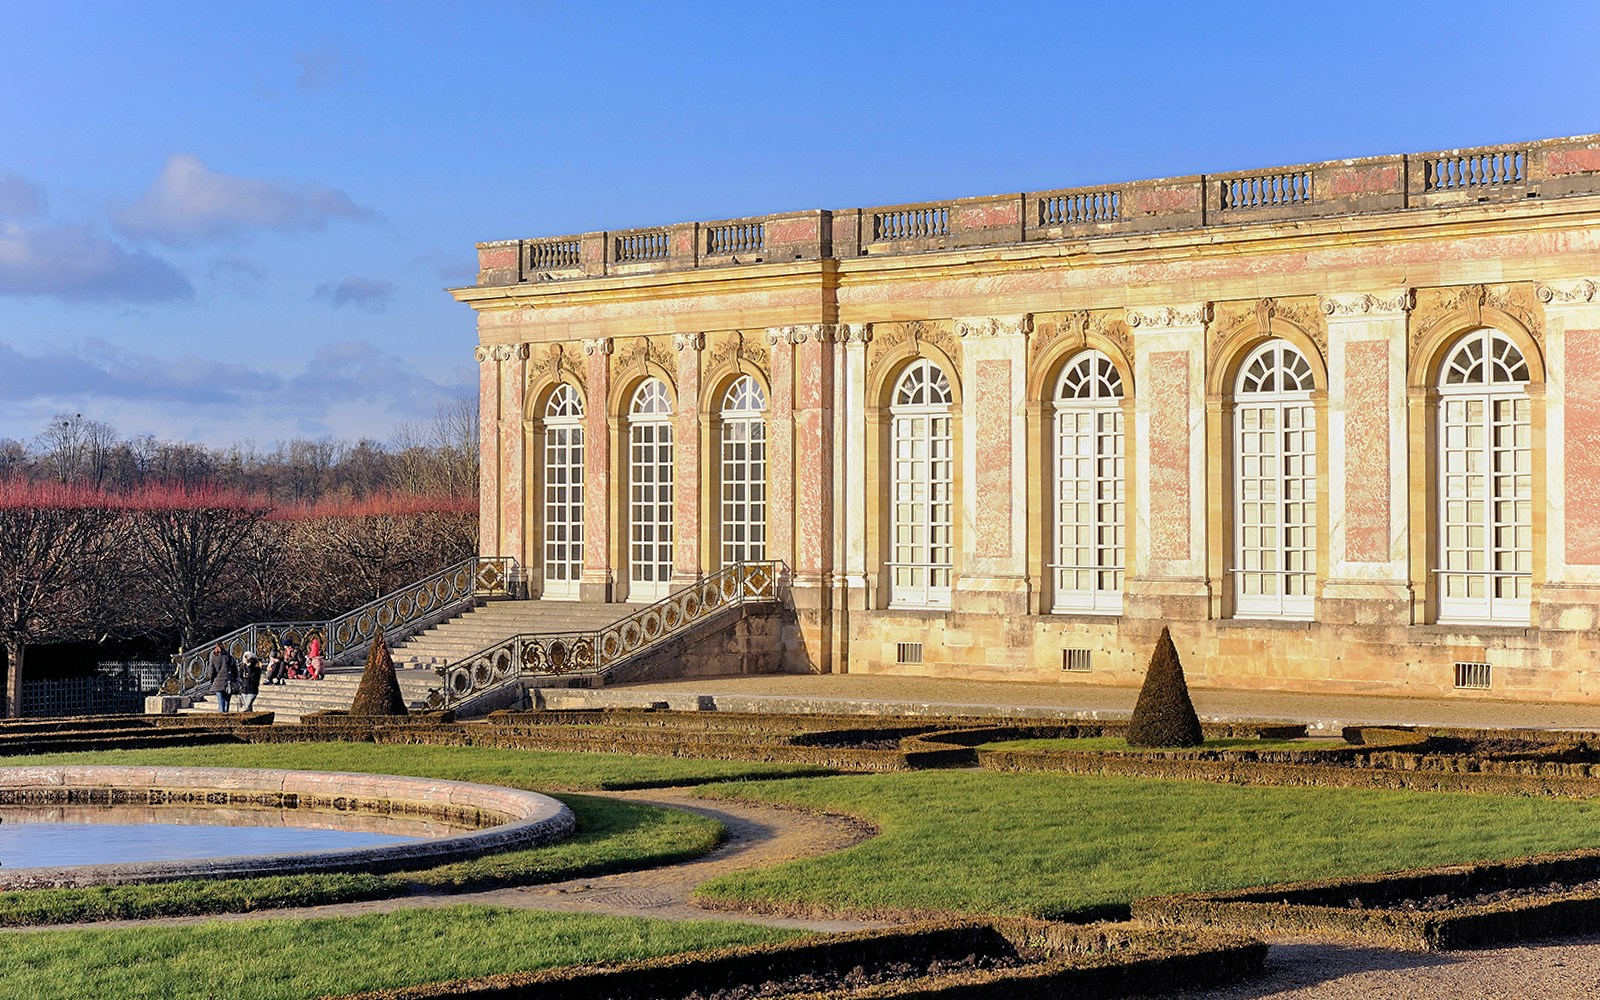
{"x": 474, "y": 819}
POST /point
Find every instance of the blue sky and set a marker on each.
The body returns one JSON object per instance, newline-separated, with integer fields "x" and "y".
{"x": 231, "y": 223}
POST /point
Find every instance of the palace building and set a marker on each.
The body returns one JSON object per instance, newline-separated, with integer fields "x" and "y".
{"x": 1337, "y": 425}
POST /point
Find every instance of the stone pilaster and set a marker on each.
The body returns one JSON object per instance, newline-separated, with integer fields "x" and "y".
{"x": 780, "y": 451}
{"x": 488, "y": 452}
{"x": 1365, "y": 556}
{"x": 688, "y": 468}
{"x": 597, "y": 582}
{"x": 852, "y": 440}
{"x": 994, "y": 465}
{"x": 1168, "y": 575}
{"x": 1571, "y": 443}
{"x": 513, "y": 360}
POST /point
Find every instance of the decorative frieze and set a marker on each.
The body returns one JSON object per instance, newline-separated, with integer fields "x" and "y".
{"x": 1568, "y": 292}
{"x": 1164, "y": 317}
{"x": 996, "y": 326}
{"x": 1368, "y": 304}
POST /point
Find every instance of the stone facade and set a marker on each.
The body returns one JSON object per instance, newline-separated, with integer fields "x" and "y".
{"x": 1371, "y": 273}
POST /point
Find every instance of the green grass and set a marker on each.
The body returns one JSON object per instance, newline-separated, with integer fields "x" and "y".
{"x": 612, "y": 836}
{"x": 1044, "y": 844}
{"x": 260, "y": 960}
{"x": 539, "y": 770}
{"x": 1118, "y": 743}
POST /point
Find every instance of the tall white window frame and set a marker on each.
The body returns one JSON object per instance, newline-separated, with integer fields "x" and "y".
{"x": 1484, "y": 555}
{"x": 744, "y": 472}
{"x": 650, "y": 493}
{"x": 563, "y": 493}
{"x": 1090, "y": 488}
{"x": 1274, "y": 485}
{"x": 921, "y": 488}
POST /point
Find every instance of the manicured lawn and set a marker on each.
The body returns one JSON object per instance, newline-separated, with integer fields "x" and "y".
{"x": 259, "y": 960}
{"x": 612, "y": 836}
{"x": 538, "y": 770}
{"x": 1044, "y": 844}
{"x": 1118, "y": 743}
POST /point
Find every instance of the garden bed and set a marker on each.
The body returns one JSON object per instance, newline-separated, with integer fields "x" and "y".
{"x": 970, "y": 959}
{"x": 1483, "y": 905}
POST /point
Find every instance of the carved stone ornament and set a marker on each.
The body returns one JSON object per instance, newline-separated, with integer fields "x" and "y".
{"x": 1368, "y": 304}
{"x": 1568, "y": 292}
{"x": 602, "y": 346}
{"x": 1074, "y": 329}
{"x": 738, "y": 350}
{"x": 854, "y": 333}
{"x": 644, "y": 353}
{"x": 889, "y": 337}
{"x": 1267, "y": 317}
{"x": 558, "y": 364}
{"x": 1467, "y": 304}
{"x": 996, "y": 326}
{"x": 689, "y": 341}
{"x": 1157, "y": 317}
{"x": 501, "y": 352}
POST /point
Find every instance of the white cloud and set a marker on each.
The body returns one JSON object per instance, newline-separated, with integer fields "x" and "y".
{"x": 76, "y": 264}
{"x": 190, "y": 204}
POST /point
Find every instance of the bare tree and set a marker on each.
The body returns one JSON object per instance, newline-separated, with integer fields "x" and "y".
{"x": 58, "y": 548}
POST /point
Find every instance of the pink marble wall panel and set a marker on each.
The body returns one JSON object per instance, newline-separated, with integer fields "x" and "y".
{"x": 1572, "y": 161}
{"x": 680, "y": 240}
{"x": 1169, "y": 455}
{"x": 1358, "y": 180}
{"x": 1582, "y": 430}
{"x": 686, "y": 468}
{"x": 987, "y": 216}
{"x": 660, "y": 314}
{"x": 801, "y": 230}
{"x": 813, "y": 447}
{"x": 1366, "y": 451}
{"x": 597, "y": 468}
{"x": 780, "y": 456}
{"x": 992, "y": 411}
{"x": 503, "y": 257}
{"x": 513, "y": 483}
{"x": 488, "y": 458}
{"x": 1143, "y": 201}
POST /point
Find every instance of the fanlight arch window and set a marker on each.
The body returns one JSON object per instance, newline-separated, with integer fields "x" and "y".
{"x": 1090, "y": 487}
{"x": 563, "y": 493}
{"x": 650, "y": 481}
{"x": 922, "y": 477}
{"x": 744, "y": 472}
{"x": 1274, "y": 485}
{"x": 1485, "y": 482}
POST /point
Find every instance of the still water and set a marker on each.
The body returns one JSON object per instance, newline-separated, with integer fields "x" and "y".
{"x": 49, "y": 836}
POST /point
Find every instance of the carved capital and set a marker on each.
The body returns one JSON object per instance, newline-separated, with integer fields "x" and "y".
{"x": 689, "y": 341}
{"x": 483, "y": 354}
{"x": 854, "y": 333}
{"x": 510, "y": 352}
{"x": 601, "y": 346}
{"x": 1193, "y": 314}
{"x": 996, "y": 326}
{"x": 1369, "y": 303}
{"x": 1568, "y": 292}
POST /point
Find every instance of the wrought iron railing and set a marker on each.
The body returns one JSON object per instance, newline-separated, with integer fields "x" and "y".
{"x": 603, "y": 650}
{"x": 398, "y": 614}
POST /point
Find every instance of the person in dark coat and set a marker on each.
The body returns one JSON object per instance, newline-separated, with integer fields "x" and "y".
{"x": 223, "y": 672}
{"x": 249, "y": 681}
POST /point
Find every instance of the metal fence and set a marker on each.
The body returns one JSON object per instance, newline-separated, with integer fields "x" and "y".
{"x": 113, "y": 689}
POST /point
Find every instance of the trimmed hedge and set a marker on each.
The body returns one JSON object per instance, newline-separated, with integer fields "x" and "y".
{"x": 1059, "y": 960}
{"x": 1369, "y": 910}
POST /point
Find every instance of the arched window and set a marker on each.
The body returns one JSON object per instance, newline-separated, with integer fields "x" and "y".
{"x": 649, "y": 491}
{"x": 921, "y": 486}
{"x": 1090, "y": 487}
{"x": 1275, "y": 485}
{"x": 744, "y": 472}
{"x": 563, "y": 493}
{"x": 1485, "y": 462}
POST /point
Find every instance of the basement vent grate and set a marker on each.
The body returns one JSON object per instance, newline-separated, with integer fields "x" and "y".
{"x": 908, "y": 652}
{"x": 1472, "y": 675}
{"x": 1075, "y": 659}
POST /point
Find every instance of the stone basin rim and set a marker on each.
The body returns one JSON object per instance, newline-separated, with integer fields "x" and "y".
{"x": 531, "y": 819}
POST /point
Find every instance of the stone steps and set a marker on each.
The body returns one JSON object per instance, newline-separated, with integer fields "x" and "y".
{"x": 335, "y": 692}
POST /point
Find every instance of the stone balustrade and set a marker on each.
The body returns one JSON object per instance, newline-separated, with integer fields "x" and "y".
{"x": 1549, "y": 169}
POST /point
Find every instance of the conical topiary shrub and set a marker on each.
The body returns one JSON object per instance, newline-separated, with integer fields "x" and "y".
{"x": 379, "y": 693}
{"x": 1164, "y": 715}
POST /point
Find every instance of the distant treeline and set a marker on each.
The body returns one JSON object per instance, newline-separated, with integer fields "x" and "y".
{"x": 173, "y": 543}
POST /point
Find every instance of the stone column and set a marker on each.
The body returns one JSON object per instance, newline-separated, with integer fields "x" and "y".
{"x": 513, "y": 359}
{"x": 595, "y": 586}
{"x": 812, "y": 356}
{"x": 688, "y": 471}
{"x": 1168, "y": 565}
{"x": 1570, "y": 599}
{"x": 780, "y": 451}
{"x": 994, "y": 466}
{"x": 1365, "y": 568}
{"x": 852, "y": 439}
{"x": 488, "y": 452}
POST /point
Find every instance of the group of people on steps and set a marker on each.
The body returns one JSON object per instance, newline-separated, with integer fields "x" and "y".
{"x": 228, "y": 678}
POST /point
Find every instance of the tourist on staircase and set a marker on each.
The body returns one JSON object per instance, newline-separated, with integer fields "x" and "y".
{"x": 222, "y": 670}
{"x": 249, "y": 681}
{"x": 277, "y": 669}
{"x": 314, "y": 657}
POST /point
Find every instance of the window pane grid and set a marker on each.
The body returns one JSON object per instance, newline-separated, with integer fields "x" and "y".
{"x": 563, "y": 509}
{"x": 1275, "y": 486}
{"x": 650, "y": 485}
{"x": 1090, "y": 484}
{"x": 922, "y": 536}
